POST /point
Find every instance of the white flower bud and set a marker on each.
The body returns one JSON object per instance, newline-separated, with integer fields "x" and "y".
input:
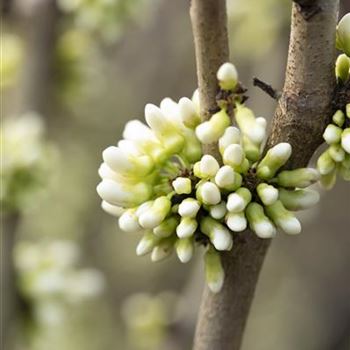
{"x": 184, "y": 249}
{"x": 208, "y": 166}
{"x": 332, "y": 134}
{"x": 267, "y": 193}
{"x": 342, "y": 67}
{"x": 236, "y": 202}
{"x": 283, "y": 218}
{"x": 163, "y": 249}
{"x": 262, "y": 122}
{"x": 337, "y": 153}
{"x": 298, "y": 199}
{"x": 146, "y": 244}
{"x": 218, "y": 211}
{"x": 259, "y": 222}
{"x": 188, "y": 113}
{"x": 231, "y": 136}
{"x": 301, "y": 178}
{"x": 143, "y": 207}
{"x": 227, "y": 178}
{"x": 112, "y": 209}
{"x": 128, "y": 221}
{"x": 227, "y": 76}
{"x": 156, "y": 214}
{"x": 233, "y": 155}
{"x": 171, "y": 111}
{"x": 208, "y": 193}
{"x": 275, "y": 157}
{"x": 218, "y": 234}
{"x": 236, "y": 222}
{"x": 123, "y": 195}
{"x": 345, "y": 140}
{"x": 182, "y": 185}
{"x": 189, "y": 207}
{"x": 105, "y": 172}
{"x": 195, "y": 100}
{"x": 186, "y": 227}
{"x": 343, "y": 34}
{"x": 214, "y": 271}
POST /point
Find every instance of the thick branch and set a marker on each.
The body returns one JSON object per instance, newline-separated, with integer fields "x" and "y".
{"x": 300, "y": 118}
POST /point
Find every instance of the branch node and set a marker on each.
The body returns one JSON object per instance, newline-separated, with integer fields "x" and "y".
{"x": 267, "y": 88}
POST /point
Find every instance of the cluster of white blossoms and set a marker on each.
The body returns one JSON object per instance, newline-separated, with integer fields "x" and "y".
{"x": 336, "y": 158}
{"x": 159, "y": 183}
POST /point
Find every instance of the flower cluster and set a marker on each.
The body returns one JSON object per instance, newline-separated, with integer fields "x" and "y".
{"x": 336, "y": 158}
{"x": 159, "y": 182}
{"x": 50, "y": 279}
{"x": 25, "y": 160}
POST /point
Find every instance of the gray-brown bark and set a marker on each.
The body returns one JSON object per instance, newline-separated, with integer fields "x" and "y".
{"x": 301, "y": 115}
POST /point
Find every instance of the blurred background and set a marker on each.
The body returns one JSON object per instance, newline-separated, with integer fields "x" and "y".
{"x": 72, "y": 73}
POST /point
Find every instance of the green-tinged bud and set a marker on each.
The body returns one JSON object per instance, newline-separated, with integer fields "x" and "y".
{"x": 228, "y": 179}
{"x": 283, "y": 218}
{"x": 274, "y": 159}
{"x": 188, "y": 113}
{"x": 214, "y": 271}
{"x": 237, "y": 201}
{"x": 342, "y": 67}
{"x": 343, "y": 34}
{"x": 325, "y": 163}
{"x": 339, "y": 118}
{"x": 218, "y": 234}
{"x": 332, "y": 134}
{"x": 147, "y": 243}
{"x": 192, "y": 150}
{"x": 301, "y": 178}
{"x": 184, "y": 249}
{"x": 344, "y": 172}
{"x": 210, "y": 131}
{"x": 167, "y": 227}
{"x": 249, "y": 126}
{"x": 337, "y": 153}
{"x": 251, "y": 149}
{"x": 187, "y": 227}
{"x": 227, "y": 76}
{"x": 231, "y": 136}
{"x": 163, "y": 249}
{"x": 208, "y": 193}
{"x": 218, "y": 211}
{"x": 328, "y": 181}
{"x": 259, "y": 222}
{"x": 345, "y": 140}
{"x": 128, "y": 221}
{"x": 298, "y": 199}
{"x": 189, "y": 207}
{"x": 267, "y": 193}
{"x": 182, "y": 185}
{"x": 154, "y": 216}
{"x": 236, "y": 222}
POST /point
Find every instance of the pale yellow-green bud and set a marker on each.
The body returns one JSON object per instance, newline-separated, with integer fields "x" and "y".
{"x": 218, "y": 234}
{"x": 187, "y": 227}
{"x": 167, "y": 227}
{"x": 339, "y": 118}
{"x": 259, "y": 222}
{"x": 267, "y": 193}
{"x": 163, "y": 249}
{"x": 154, "y": 216}
{"x": 147, "y": 243}
{"x": 184, "y": 249}
{"x": 237, "y": 201}
{"x": 332, "y": 134}
{"x": 301, "y": 178}
{"x": 337, "y": 153}
{"x": 283, "y": 218}
{"x": 325, "y": 163}
{"x": 214, "y": 271}
{"x": 342, "y": 67}
{"x": 298, "y": 199}
{"x": 227, "y": 76}
{"x": 328, "y": 181}
{"x": 182, "y": 185}
{"x": 345, "y": 140}
{"x": 251, "y": 149}
{"x": 343, "y": 34}
{"x": 192, "y": 150}
{"x": 275, "y": 158}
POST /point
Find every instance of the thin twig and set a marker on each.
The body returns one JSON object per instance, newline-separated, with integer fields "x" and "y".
{"x": 267, "y": 88}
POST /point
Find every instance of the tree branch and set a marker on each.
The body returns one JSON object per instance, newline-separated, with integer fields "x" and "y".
{"x": 300, "y": 118}
{"x": 267, "y": 88}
